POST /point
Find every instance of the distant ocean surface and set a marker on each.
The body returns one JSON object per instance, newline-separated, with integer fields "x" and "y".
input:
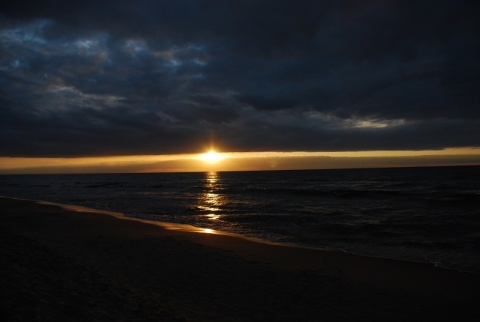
{"x": 416, "y": 214}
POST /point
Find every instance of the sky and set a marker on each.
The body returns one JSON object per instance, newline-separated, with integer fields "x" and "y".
{"x": 171, "y": 78}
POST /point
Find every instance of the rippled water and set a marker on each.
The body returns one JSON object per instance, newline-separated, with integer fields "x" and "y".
{"x": 419, "y": 214}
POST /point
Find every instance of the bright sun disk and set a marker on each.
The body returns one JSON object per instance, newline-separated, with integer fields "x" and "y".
{"x": 212, "y": 156}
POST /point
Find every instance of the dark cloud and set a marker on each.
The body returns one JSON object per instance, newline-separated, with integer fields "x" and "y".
{"x": 152, "y": 77}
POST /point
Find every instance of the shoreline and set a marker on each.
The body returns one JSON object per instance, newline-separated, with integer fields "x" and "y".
{"x": 186, "y": 228}
{"x": 188, "y": 267}
{"x": 416, "y": 216}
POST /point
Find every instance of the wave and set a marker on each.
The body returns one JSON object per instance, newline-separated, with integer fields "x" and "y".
{"x": 430, "y": 213}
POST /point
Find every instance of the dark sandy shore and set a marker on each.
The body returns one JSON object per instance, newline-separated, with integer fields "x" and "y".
{"x": 65, "y": 265}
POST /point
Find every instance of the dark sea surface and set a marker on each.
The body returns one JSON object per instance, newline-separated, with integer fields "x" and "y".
{"x": 417, "y": 214}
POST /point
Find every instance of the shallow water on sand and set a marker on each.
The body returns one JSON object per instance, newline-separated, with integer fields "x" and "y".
{"x": 417, "y": 214}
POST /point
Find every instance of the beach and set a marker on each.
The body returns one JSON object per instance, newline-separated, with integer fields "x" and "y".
{"x": 78, "y": 264}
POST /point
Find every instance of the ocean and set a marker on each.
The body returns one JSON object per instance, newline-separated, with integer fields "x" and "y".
{"x": 416, "y": 214}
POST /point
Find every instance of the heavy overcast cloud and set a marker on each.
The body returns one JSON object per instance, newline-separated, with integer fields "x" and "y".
{"x": 125, "y": 77}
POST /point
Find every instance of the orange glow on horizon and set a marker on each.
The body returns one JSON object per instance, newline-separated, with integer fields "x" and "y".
{"x": 239, "y": 161}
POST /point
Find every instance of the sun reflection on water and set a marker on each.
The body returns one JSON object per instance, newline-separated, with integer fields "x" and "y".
{"x": 211, "y": 201}
{"x": 212, "y": 178}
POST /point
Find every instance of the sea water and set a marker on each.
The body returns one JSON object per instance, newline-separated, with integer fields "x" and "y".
{"x": 416, "y": 214}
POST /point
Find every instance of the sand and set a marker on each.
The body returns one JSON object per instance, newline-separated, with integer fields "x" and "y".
{"x": 78, "y": 264}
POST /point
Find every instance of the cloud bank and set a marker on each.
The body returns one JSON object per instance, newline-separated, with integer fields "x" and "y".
{"x": 89, "y": 78}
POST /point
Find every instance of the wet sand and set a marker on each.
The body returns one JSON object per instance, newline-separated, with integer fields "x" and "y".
{"x": 77, "y": 264}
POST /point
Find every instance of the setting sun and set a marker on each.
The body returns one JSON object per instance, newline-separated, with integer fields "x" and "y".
{"x": 212, "y": 156}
